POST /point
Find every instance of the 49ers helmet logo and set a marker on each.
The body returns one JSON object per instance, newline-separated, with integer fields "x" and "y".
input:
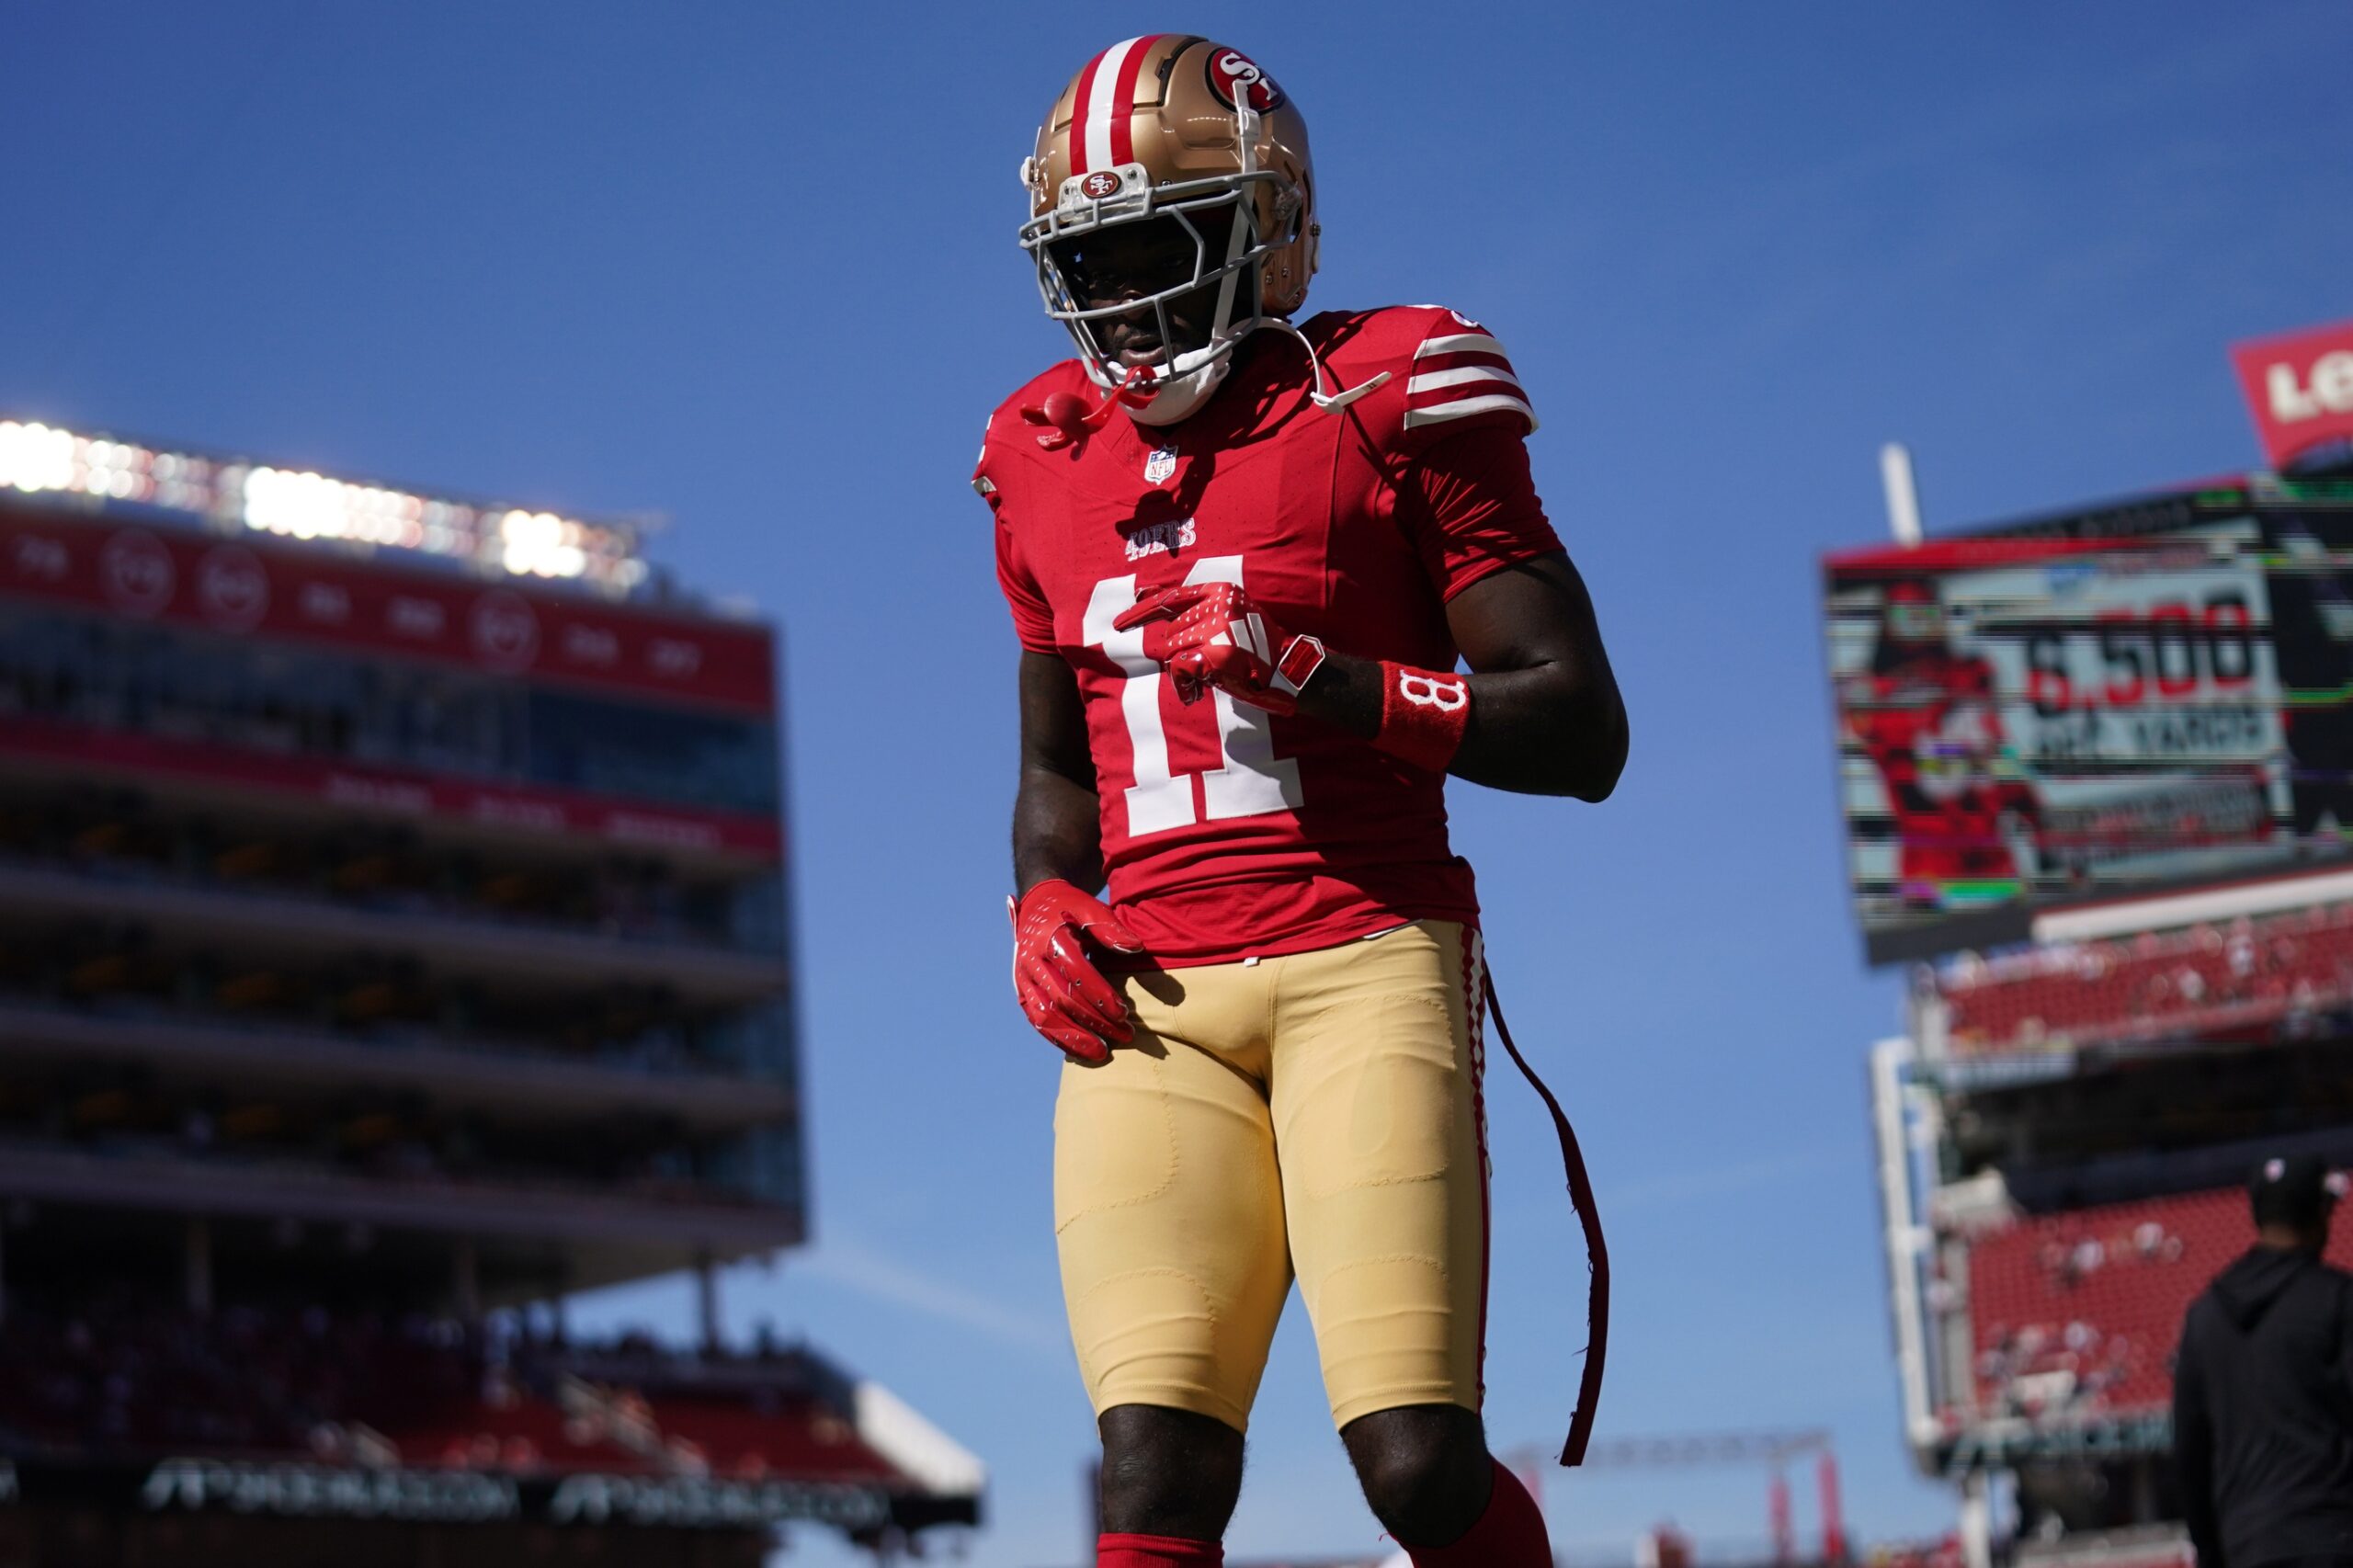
{"x": 1233, "y": 72}
{"x": 1099, "y": 185}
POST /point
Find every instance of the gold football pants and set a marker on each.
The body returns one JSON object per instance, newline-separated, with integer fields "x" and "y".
{"x": 1317, "y": 1114}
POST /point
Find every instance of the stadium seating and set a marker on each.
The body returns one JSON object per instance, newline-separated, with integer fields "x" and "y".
{"x": 124, "y": 1374}
{"x": 122, "y": 838}
{"x": 510, "y": 1429}
{"x": 2075, "y": 1316}
{"x": 129, "y": 1377}
{"x": 2203, "y": 980}
{"x": 367, "y": 999}
{"x": 750, "y": 1438}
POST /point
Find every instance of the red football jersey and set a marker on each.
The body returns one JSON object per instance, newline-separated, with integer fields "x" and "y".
{"x": 1227, "y": 831}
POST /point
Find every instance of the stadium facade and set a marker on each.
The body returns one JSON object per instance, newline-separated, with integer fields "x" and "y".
{"x": 2098, "y": 773}
{"x": 394, "y": 930}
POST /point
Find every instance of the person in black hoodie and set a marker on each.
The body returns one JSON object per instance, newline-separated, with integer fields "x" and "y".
{"x": 2263, "y": 1389}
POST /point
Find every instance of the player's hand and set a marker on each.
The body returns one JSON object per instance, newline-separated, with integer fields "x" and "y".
{"x": 1212, "y": 634}
{"x": 1065, "y": 996}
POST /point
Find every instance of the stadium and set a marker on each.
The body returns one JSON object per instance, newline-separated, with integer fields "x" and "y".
{"x": 2094, "y": 768}
{"x": 397, "y": 945}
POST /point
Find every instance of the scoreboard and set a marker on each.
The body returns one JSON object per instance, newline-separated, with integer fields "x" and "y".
{"x": 2136, "y": 699}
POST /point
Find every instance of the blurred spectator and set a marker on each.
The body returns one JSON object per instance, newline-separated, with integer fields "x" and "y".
{"x": 2263, "y": 1389}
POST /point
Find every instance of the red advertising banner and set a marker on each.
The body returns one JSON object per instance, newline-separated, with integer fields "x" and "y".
{"x": 244, "y": 586}
{"x": 2299, "y": 388}
{"x": 385, "y": 791}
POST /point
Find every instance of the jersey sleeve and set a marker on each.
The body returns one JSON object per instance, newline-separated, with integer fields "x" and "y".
{"x": 1033, "y": 618}
{"x": 1033, "y": 622}
{"x": 1459, "y": 379}
{"x": 1470, "y": 506}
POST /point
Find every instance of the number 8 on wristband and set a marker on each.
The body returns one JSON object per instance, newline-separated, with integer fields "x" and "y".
{"x": 1423, "y": 715}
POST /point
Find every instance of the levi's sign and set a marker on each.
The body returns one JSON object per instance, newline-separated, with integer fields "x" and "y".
{"x": 2301, "y": 390}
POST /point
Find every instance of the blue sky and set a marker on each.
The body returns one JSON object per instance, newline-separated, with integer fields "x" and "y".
{"x": 753, "y": 266}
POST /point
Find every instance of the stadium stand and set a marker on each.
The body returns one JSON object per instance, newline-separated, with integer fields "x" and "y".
{"x": 2075, "y": 1316}
{"x": 127, "y": 1377}
{"x": 2200, "y": 981}
{"x": 394, "y": 945}
{"x": 122, "y": 835}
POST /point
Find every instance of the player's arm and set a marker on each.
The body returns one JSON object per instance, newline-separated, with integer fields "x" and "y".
{"x": 1057, "y": 866}
{"x": 1545, "y": 716}
{"x": 1540, "y": 711}
{"x": 1056, "y": 826}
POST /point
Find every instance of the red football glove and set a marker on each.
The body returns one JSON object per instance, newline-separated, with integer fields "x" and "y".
{"x": 1208, "y": 634}
{"x": 1066, "y": 997}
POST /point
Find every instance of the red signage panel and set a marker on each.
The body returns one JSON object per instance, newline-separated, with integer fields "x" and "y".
{"x": 243, "y": 586}
{"x": 2299, "y": 388}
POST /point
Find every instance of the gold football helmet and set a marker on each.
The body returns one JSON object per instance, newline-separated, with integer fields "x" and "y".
{"x": 1176, "y": 128}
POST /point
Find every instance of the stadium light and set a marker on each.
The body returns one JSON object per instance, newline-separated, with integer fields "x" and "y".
{"x": 34, "y": 457}
{"x": 297, "y": 504}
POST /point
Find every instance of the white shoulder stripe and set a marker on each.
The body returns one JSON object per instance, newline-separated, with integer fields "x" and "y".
{"x": 1460, "y": 343}
{"x": 1462, "y": 375}
{"x": 1463, "y": 407}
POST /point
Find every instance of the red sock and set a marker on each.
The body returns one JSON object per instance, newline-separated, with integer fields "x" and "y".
{"x": 1156, "y": 1552}
{"x": 1510, "y": 1534}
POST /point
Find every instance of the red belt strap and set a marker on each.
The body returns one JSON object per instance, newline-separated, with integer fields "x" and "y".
{"x": 1597, "y": 1250}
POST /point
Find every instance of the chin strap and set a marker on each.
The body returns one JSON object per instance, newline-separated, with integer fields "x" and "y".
{"x": 1596, "y": 1251}
{"x": 1074, "y": 421}
{"x": 1337, "y": 400}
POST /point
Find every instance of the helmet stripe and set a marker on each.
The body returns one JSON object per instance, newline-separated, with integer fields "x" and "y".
{"x": 1123, "y": 101}
{"x": 1107, "y": 94}
{"x": 1081, "y": 111}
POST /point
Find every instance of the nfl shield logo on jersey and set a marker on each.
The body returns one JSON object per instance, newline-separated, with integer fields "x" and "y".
{"x": 1160, "y": 465}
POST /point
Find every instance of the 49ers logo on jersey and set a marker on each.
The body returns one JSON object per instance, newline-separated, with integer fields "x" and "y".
{"x": 1163, "y": 539}
{"x": 1232, "y": 74}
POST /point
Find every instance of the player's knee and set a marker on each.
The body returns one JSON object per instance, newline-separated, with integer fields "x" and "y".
{"x": 1425, "y": 1471}
{"x": 1169, "y": 1473}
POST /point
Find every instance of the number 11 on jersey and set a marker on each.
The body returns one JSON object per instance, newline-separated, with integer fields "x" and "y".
{"x": 1250, "y": 781}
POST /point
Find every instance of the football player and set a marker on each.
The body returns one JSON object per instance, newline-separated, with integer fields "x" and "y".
{"x": 1930, "y": 718}
{"x": 1244, "y": 554}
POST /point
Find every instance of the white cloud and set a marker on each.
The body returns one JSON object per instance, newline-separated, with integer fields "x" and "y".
{"x": 857, "y": 1268}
